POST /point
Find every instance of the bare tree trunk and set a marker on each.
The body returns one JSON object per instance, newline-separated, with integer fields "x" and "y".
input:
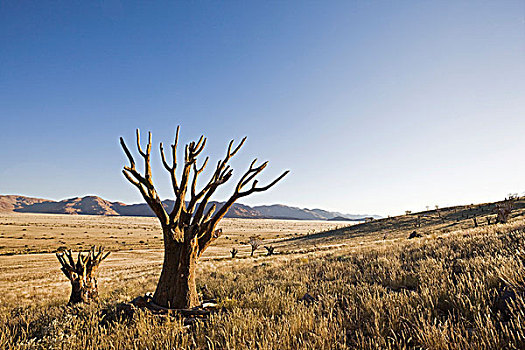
{"x": 82, "y": 273}
{"x": 177, "y": 288}
{"x": 83, "y": 290}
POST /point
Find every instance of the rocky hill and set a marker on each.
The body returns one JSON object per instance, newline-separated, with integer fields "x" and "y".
{"x": 13, "y": 202}
{"x": 90, "y": 205}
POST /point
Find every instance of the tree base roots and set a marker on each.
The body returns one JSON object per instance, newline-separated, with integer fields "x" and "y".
{"x": 189, "y": 316}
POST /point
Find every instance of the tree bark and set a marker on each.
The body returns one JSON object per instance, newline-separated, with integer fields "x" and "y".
{"x": 83, "y": 290}
{"x": 82, "y": 273}
{"x": 177, "y": 288}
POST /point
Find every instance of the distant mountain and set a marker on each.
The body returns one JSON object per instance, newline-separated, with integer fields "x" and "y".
{"x": 283, "y": 211}
{"x": 286, "y": 212}
{"x": 93, "y": 205}
{"x": 14, "y": 202}
{"x": 335, "y": 215}
{"x": 341, "y": 218}
{"x": 90, "y": 205}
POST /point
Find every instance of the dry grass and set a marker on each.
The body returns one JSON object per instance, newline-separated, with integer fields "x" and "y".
{"x": 458, "y": 287}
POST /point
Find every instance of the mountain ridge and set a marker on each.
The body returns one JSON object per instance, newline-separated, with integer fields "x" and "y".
{"x": 94, "y": 205}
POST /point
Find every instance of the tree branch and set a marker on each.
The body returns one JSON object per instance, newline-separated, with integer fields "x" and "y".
{"x": 248, "y": 176}
{"x": 194, "y": 196}
{"x": 191, "y": 151}
{"x": 171, "y": 169}
{"x": 222, "y": 174}
{"x": 144, "y": 183}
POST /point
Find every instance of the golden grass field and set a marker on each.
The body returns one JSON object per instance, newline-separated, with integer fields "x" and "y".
{"x": 456, "y": 287}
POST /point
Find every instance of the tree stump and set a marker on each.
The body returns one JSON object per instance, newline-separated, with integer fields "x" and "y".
{"x": 269, "y": 250}
{"x": 414, "y": 235}
{"x": 82, "y": 273}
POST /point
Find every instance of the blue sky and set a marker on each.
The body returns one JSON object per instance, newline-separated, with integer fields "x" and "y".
{"x": 374, "y": 106}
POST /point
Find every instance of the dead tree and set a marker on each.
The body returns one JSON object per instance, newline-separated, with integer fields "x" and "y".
{"x": 414, "y": 234}
{"x": 418, "y": 222}
{"x": 255, "y": 243}
{"x": 438, "y": 212}
{"x": 233, "y": 252}
{"x": 475, "y": 221}
{"x": 503, "y": 211}
{"x": 191, "y": 225}
{"x": 82, "y": 273}
{"x": 269, "y": 250}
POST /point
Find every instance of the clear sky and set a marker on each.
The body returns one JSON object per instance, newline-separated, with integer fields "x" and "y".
{"x": 375, "y": 106}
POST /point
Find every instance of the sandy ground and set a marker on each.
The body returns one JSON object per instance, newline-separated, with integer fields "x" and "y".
{"x": 32, "y": 233}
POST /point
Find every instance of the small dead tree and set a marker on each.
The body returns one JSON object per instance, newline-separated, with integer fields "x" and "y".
{"x": 414, "y": 234}
{"x": 417, "y": 223}
{"x": 503, "y": 211}
{"x": 269, "y": 250}
{"x": 440, "y": 216}
{"x": 82, "y": 273}
{"x": 190, "y": 227}
{"x": 255, "y": 243}
{"x": 233, "y": 252}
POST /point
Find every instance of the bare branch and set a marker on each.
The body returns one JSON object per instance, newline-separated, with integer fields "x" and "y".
{"x": 194, "y": 196}
{"x": 209, "y": 213}
{"x": 163, "y": 157}
{"x": 248, "y": 176}
{"x": 128, "y": 154}
{"x": 171, "y": 169}
{"x": 196, "y": 172}
{"x": 174, "y": 147}
{"x": 264, "y": 188}
{"x": 221, "y": 175}
{"x": 138, "y": 144}
{"x": 230, "y": 153}
{"x": 144, "y": 183}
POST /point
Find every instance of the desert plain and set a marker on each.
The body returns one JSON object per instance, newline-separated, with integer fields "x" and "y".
{"x": 28, "y": 242}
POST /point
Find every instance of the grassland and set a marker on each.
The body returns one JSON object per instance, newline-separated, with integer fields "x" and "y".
{"x": 457, "y": 287}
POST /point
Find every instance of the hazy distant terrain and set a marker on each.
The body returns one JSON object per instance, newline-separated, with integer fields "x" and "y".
{"x": 93, "y": 205}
